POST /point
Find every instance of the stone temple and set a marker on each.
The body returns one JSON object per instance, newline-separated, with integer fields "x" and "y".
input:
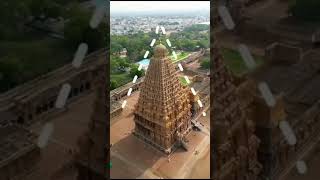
{"x": 163, "y": 112}
{"x": 235, "y": 145}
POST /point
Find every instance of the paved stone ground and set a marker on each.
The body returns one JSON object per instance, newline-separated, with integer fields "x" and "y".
{"x": 312, "y": 163}
{"x": 194, "y": 65}
{"x": 132, "y": 158}
{"x": 201, "y": 169}
{"x": 268, "y": 11}
{"x": 68, "y": 126}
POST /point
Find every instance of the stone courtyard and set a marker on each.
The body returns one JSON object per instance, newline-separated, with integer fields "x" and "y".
{"x": 132, "y": 158}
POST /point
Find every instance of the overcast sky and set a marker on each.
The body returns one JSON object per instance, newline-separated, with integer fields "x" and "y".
{"x": 123, "y": 7}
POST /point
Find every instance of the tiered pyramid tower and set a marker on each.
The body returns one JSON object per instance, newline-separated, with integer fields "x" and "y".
{"x": 235, "y": 145}
{"x": 162, "y": 117}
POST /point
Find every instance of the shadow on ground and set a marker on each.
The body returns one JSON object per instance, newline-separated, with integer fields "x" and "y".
{"x": 131, "y": 157}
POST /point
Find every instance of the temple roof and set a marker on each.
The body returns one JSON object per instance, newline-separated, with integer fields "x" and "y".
{"x": 160, "y": 51}
{"x": 162, "y": 97}
{"x": 160, "y": 46}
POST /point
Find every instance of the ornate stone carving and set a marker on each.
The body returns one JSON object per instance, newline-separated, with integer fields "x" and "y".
{"x": 229, "y": 120}
{"x": 162, "y": 115}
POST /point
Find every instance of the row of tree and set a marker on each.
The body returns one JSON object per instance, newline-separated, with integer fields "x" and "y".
{"x": 125, "y": 68}
{"x": 123, "y": 65}
{"x": 205, "y": 63}
{"x": 190, "y": 39}
{"x": 136, "y": 44}
{"x": 308, "y": 10}
{"x": 77, "y": 30}
{"x": 39, "y": 54}
{"x": 14, "y": 14}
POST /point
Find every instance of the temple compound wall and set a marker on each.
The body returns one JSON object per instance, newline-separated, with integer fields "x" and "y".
{"x": 283, "y": 54}
{"x": 297, "y": 103}
{"x": 267, "y": 32}
{"x": 122, "y": 91}
{"x": 35, "y": 100}
{"x": 115, "y": 109}
{"x": 18, "y": 152}
{"x": 275, "y": 153}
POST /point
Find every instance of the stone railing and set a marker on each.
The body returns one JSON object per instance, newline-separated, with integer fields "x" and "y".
{"x": 122, "y": 91}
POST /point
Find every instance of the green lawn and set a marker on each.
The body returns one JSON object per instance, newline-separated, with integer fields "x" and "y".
{"x": 180, "y": 57}
{"x": 183, "y": 81}
{"x": 235, "y": 62}
{"x": 121, "y": 79}
{"x": 22, "y": 61}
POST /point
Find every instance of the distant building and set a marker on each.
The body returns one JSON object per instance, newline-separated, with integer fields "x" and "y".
{"x": 123, "y": 53}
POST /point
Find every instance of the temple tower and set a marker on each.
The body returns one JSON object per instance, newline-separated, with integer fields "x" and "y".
{"x": 234, "y": 142}
{"x": 162, "y": 117}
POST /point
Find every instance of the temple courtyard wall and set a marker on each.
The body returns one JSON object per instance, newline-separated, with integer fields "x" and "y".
{"x": 29, "y": 106}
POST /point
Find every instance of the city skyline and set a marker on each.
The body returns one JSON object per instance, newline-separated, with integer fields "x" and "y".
{"x": 122, "y": 8}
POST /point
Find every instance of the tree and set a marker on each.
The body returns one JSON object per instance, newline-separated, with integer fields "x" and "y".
{"x": 123, "y": 64}
{"x": 134, "y": 71}
{"x": 188, "y": 45}
{"x": 74, "y": 30}
{"x": 203, "y": 43}
{"x": 44, "y": 9}
{"x": 197, "y": 27}
{"x": 116, "y": 47}
{"x": 11, "y": 70}
{"x": 305, "y": 9}
{"x": 54, "y": 10}
{"x": 205, "y": 63}
{"x": 113, "y": 84}
{"x": 77, "y": 30}
{"x": 114, "y": 65}
{"x": 13, "y": 14}
{"x": 64, "y": 2}
{"x": 93, "y": 38}
{"x": 119, "y": 64}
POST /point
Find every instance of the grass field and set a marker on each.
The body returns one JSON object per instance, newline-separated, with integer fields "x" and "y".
{"x": 183, "y": 81}
{"x": 180, "y": 56}
{"x": 121, "y": 78}
{"x": 21, "y": 61}
{"x": 235, "y": 62}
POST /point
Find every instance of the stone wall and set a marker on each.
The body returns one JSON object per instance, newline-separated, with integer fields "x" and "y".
{"x": 121, "y": 92}
{"x": 253, "y": 31}
{"x": 116, "y": 109}
{"x": 275, "y": 153}
{"x": 283, "y": 54}
{"x": 260, "y": 31}
{"x": 35, "y": 100}
{"x": 18, "y": 154}
{"x": 20, "y": 167}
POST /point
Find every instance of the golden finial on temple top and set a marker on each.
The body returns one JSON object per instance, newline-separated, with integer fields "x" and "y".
{"x": 160, "y": 50}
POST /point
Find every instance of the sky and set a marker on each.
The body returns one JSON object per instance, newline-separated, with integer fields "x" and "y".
{"x": 127, "y": 7}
